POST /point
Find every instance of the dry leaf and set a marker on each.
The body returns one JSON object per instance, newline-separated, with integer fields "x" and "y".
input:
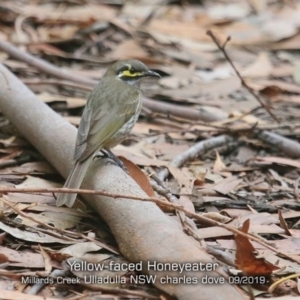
{"x": 259, "y": 5}
{"x": 73, "y": 13}
{"x": 37, "y": 237}
{"x": 245, "y": 258}
{"x": 85, "y": 251}
{"x": 57, "y": 219}
{"x": 229, "y": 11}
{"x": 227, "y": 185}
{"x": 217, "y": 217}
{"x": 25, "y": 259}
{"x": 219, "y": 166}
{"x": 262, "y": 67}
{"x": 140, "y": 178}
{"x": 129, "y": 50}
{"x": 36, "y": 182}
{"x": 186, "y": 203}
{"x": 283, "y": 224}
{"x": 277, "y": 160}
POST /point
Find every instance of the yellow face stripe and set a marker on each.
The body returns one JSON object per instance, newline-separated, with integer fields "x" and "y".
{"x": 128, "y": 74}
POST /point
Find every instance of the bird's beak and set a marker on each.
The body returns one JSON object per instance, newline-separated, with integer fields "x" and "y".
{"x": 152, "y": 73}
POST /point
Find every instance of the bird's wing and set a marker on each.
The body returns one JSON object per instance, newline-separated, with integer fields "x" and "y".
{"x": 100, "y": 122}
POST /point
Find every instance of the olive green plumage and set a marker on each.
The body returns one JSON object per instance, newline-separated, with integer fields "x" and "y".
{"x": 111, "y": 111}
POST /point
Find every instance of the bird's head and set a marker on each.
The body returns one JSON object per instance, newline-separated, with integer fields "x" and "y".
{"x": 131, "y": 71}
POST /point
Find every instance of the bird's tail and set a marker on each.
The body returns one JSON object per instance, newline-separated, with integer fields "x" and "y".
{"x": 74, "y": 182}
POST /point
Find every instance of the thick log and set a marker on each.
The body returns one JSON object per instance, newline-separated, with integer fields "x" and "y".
{"x": 143, "y": 232}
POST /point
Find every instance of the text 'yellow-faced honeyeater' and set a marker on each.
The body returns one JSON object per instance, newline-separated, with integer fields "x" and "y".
{"x": 111, "y": 111}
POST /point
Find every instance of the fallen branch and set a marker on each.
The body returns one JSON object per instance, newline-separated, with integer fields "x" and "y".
{"x": 194, "y": 151}
{"x": 138, "y": 227}
{"x": 41, "y": 64}
{"x": 158, "y": 106}
{"x": 286, "y": 145}
{"x": 183, "y": 112}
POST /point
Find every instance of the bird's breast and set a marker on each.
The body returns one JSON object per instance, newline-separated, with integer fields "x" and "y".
{"x": 121, "y": 134}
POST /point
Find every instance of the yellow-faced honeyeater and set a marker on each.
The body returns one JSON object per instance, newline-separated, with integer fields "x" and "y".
{"x": 110, "y": 113}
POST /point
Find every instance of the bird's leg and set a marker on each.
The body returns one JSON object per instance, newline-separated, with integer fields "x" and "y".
{"x": 107, "y": 153}
{"x": 101, "y": 154}
{"x": 118, "y": 162}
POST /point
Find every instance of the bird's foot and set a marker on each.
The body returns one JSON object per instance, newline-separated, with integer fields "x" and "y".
{"x": 109, "y": 154}
{"x": 101, "y": 154}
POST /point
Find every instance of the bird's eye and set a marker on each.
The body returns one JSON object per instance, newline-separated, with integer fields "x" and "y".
{"x": 132, "y": 71}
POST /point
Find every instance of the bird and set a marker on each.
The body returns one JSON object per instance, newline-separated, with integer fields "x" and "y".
{"x": 111, "y": 111}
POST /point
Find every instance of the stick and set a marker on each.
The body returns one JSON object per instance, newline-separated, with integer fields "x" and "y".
{"x": 244, "y": 84}
{"x": 150, "y": 199}
{"x": 194, "y": 151}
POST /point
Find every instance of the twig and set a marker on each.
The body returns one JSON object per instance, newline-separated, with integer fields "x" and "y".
{"x": 194, "y": 151}
{"x": 47, "y": 259}
{"x": 153, "y": 12}
{"x": 244, "y": 84}
{"x": 74, "y": 191}
{"x": 160, "y": 187}
{"x": 183, "y": 112}
{"x": 289, "y": 126}
{"x": 187, "y": 223}
{"x": 150, "y": 199}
